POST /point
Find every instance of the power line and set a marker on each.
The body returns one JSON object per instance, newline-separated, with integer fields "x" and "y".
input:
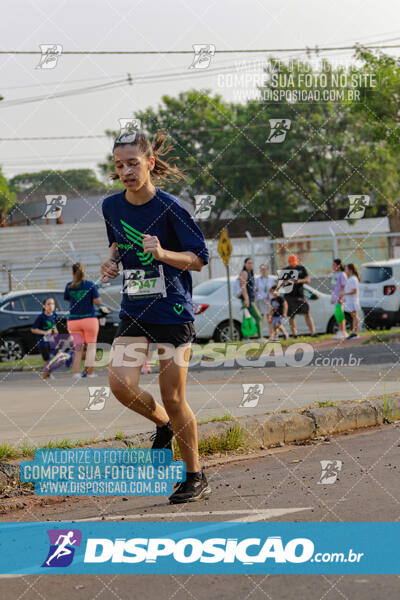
{"x": 237, "y": 51}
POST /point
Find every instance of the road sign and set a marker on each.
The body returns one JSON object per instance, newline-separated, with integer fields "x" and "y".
{"x": 224, "y": 247}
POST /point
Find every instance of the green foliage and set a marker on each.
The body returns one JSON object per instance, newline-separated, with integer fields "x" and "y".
{"x": 7, "y": 196}
{"x": 57, "y": 182}
{"x": 329, "y": 152}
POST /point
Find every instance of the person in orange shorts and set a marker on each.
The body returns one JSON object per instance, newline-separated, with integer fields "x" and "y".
{"x": 82, "y": 324}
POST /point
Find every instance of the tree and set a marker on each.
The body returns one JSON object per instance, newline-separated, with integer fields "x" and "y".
{"x": 7, "y": 198}
{"x": 57, "y": 182}
{"x": 380, "y": 90}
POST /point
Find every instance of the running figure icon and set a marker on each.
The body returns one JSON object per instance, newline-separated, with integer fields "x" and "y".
{"x": 62, "y": 550}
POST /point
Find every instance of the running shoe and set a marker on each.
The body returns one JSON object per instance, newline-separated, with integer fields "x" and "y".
{"x": 194, "y": 488}
{"x": 353, "y": 336}
{"x": 162, "y": 438}
{"x": 340, "y": 336}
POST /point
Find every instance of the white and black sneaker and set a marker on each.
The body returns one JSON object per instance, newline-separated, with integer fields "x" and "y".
{"x": 194, "y": 488}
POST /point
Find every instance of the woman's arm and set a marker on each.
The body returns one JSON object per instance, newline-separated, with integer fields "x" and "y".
{"x": 243, "y": 280}
{"x": 40, "y": 331}
{"x": 109, "y": 268}
{"x": 186, "y": 260}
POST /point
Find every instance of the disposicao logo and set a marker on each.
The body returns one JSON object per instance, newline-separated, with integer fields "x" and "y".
{"x": 191, "y": 550}
{"x": 62, "y": 547}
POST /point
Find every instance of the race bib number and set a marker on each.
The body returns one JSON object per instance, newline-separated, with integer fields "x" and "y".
{"x": 141, "y": 283}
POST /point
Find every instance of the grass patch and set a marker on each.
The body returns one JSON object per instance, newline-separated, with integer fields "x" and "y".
{"x": 7, "y": 451}
{"x": 67, "y": 443}
{"x": 225, "y": 417}
{"x": 28, "y": 361}
{"x": 119, "y": 435}
{"x": 379, "y": 337}
{"x": 227, "y": 441}
{"x": 326, "y": 403}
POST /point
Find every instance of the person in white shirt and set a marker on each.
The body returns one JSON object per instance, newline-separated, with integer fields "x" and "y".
{"x": 351, "y": 297}
{"x": 264, "y": 282}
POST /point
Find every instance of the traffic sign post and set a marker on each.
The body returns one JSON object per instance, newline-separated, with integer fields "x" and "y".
{"x": 225, "y": 251}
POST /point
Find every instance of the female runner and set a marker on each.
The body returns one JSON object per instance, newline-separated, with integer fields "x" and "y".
{"x": 158, "y": 243}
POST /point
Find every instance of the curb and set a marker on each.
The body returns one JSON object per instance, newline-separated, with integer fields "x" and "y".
{"x": 304, "y": 424}
{"x": 267, "y": 430}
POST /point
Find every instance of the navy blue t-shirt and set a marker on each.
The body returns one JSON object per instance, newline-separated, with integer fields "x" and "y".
{"x": 165, "y": 217}
{"x": 44, "y": 322}
{"x": 81, "y": 299}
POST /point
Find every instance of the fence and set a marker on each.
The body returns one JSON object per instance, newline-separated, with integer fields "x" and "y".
{"x": 33, "y": 258}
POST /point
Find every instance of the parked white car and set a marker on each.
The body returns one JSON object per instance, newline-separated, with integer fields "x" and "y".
{"x": 380, "y": 293}
{"x": 210, "y": 300}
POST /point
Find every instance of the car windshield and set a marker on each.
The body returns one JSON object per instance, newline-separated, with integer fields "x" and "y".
{"x": 376, "y": 274}
{"x": 208, "y": 287}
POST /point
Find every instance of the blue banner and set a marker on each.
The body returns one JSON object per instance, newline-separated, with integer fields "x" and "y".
{"x": 195, "y": 548}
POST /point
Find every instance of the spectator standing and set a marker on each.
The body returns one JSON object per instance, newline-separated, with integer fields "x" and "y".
{"x": 248, "y": 289}
{"x": 297, "y": 303}
{"x": 264, "y": 282}
{"x": 339, "y": 283}
{"x": 351, "y": 296}
{"x": 278, "y": 312}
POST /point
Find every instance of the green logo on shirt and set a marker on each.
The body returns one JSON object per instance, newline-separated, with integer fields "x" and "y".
{"x": 178, "y": 308}
{"x": 136, "y": 237}
{"x": 77, "y": 295}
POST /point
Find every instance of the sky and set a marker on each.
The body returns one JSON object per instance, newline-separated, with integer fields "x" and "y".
{"x": 139, "y": 25}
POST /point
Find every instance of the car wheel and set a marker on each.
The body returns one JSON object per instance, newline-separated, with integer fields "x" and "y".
{"x": 223, "y": 332}
{"x": 333, "y": 326}
{"x": 11, "y": 349}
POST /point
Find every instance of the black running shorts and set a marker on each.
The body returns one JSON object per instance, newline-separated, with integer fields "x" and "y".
{"x": 297, "y": 306}
{"x": 175, "y": 334}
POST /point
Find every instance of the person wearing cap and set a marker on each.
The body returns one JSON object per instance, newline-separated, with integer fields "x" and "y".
{"x": 297, "y": 303}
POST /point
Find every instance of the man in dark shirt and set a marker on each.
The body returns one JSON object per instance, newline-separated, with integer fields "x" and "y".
{"x": 297, "y": 303}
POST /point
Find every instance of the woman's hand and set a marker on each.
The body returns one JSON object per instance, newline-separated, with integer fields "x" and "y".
{"x": 246, "y": 303}
{"x": 108, "y": 270}
{"x": 152, "y": 244}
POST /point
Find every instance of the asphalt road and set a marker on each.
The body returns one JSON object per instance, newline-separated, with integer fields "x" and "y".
{"x": 38, "y": 411}
{"x": 280, "y": 485}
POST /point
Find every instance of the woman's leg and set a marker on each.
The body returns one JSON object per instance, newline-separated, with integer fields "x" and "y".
{"x": 74, "y": 330}
{"x": 342, "y": 326}
{"x": 172, "y": 378}
{"x": 356, "y": 321}
{"x": 124, "y": 378}
{"x": 91, "y": 329}
{"x": 253, "y": 310}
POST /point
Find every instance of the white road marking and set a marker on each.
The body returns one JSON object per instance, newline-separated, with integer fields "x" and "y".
{"x": 250, "y": 515}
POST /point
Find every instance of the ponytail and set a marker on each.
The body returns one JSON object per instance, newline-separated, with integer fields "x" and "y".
{"x": 163, "y": 170}
{"x": 354, "y": 270}
{"x": 78, "y": 271}
{"x": 339, "y": 263}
